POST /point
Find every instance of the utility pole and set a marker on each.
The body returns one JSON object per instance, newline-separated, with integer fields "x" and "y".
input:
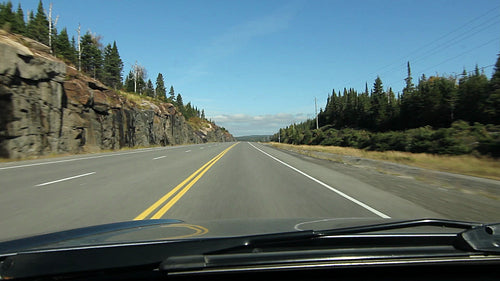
{"x": 316, "y": 111}
{"x": 79, "y": 50}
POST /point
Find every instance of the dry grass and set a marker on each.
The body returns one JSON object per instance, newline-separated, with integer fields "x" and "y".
{"x": 485, "y": 167}
{"x": 132, "y": 97}
{"x": 58, "y": 155}
{"x": 198, "y": 124}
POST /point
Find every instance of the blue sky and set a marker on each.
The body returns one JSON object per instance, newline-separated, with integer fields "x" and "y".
{"x": 256, "y": 66}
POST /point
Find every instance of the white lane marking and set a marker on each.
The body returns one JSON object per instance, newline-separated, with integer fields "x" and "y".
{"x": 201, "y": 147}
{"x": 378, "y": 213}
{"x": 78, "y": 159}
{"x": 160, "y": 157}
{"x": 65, "y": 179}
{"x": 188, "y": 151}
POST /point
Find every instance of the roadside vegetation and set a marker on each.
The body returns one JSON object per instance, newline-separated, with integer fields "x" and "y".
{"x": 479, "y": 166}
{"x": 439, "y": 115}
{"x": 90, "y": 55}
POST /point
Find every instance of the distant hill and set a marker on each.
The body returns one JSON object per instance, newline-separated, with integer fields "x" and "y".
{"x": 263, "y": 138}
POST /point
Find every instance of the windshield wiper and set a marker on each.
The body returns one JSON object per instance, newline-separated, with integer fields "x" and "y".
{"x": 402, "y": 225}
{"x": 301, "y": 236}
{"x": 348, "y": 244}
{"x": 483, "y": 239}
{"x": 180, "y": 254}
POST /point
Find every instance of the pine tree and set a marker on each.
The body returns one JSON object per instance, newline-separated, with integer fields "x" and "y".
{"x": 19, "y": 26}
{"x": 112, "y": 66}
{"x": 91, "y": 56}
{"x": 7, "y": 17}
{"x": 393, "y": 109}
{"x": 171, "y": 94}
{"x": 364, "y": 107}
{"x": 62, "y": 47}
{"x": 492, "y": 105}
{"x": 129, "y": 82}
{"x": 141, "y": 84}
{"x": 410, "y": 87}
{"x": 149, "y": 90}
{"x": 179, "y": 100}
{"x": 74, "y": 51}
{"x": 379, "y": 105}
{"x": 160, "y": 88}
{"x": 472, "y": 94}
{"x": 38, "y": 26}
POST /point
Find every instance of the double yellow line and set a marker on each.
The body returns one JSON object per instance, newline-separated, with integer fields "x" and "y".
{"x": 183, "y": 187}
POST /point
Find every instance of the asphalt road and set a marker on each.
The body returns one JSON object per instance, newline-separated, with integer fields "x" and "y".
{"x": 193, "y": 183}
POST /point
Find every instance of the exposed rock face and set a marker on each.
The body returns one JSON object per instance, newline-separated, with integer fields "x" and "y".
{"x": 47, "y": 107}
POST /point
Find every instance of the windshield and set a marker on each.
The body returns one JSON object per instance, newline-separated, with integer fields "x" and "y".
{"x": 233, "y": 118}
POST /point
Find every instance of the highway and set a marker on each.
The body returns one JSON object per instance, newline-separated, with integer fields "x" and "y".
{"x": 201, "y": 182}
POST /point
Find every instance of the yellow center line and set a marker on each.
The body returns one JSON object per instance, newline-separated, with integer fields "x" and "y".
{"x": 200, "y": 172}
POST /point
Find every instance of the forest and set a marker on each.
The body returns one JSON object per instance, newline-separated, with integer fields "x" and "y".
{"x": 438, "y": 114}
{"x": 90, "y": 55}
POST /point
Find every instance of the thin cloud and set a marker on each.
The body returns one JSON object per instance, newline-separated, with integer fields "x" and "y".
{"x": 244, "y": 124}
{"x": 237, "y": 37}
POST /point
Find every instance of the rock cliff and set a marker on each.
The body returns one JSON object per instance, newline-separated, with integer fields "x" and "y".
{"x": 47, "y": 107}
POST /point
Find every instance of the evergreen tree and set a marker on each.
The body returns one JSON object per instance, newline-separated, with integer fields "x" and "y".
{"x": 91, "y": 56}
{"x": 160, "y": 87}
{"x": 62, "y": 47}
{"x": 473, "y": 92}
{"x": 38, "y": 26}
{"x": 393, "y": 110}
{"x": 410, "y": 87}
{"x": 379, "y": 105}
{"x": 189, "y": 111}
{"x": 112, "y": 66}
{"x": 129, "y": 82}
{"x": 7, "y": 17}
{"x": 171, "y": 94}
{"x": 149, "y": 90}
{"x": 179, "y": 103}
{"x": 364, "y": 107}
{"x": 19, "y": 26}
{"x": 492, "y": 104}
{"x": 141, "y": 84}
{"x": 74, "y": 51}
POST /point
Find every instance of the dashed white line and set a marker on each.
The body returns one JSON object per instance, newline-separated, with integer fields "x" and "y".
{"x": 65, "y": 179}
{"x": 378, "y": 213}
{"x": 160, "y": 157}
{"x": 83, "y": 158}
{"x": 188, "y": 151}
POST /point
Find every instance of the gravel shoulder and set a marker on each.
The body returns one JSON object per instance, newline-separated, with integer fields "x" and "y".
{"x": 452, "y": 195}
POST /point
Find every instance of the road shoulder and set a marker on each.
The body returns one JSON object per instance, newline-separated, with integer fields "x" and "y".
{"x": 454, "y": 196}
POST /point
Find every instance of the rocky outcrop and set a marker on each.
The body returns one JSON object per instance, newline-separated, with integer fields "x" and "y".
{"x": 47, "y": 107}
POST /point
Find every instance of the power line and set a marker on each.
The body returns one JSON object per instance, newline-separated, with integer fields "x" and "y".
{"x": 422, "y": 47}
{"x": 445, "y": 45}
{"x": 463, "y": 53}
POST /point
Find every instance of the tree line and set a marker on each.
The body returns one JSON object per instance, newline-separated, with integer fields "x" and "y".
{"x": 440, "y": 114}
{"x": 91, "y": 56}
